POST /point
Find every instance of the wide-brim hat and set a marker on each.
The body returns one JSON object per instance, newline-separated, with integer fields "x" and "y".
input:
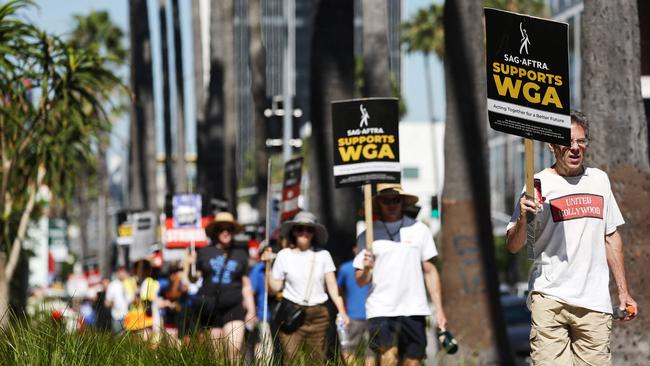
{"x": 305, "y": 218}
{"x": 395, "y": 188}
{"x": 223, "y": 219}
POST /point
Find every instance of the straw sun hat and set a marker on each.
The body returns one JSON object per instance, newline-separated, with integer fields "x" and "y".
{"x": 221, "y": 220}
{"x": 305, "y": 218}
{"x": 385, "y": 189}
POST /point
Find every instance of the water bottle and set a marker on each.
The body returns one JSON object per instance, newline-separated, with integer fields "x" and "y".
{"x": 341, "y": 330}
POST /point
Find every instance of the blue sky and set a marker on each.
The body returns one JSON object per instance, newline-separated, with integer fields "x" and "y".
{"x": 55, "y": 16}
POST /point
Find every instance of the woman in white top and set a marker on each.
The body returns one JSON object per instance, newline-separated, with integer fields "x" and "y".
{"x": 306, "y": 277}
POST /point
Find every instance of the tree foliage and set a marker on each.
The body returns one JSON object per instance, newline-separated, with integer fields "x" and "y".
{"x": 52, "y": 97}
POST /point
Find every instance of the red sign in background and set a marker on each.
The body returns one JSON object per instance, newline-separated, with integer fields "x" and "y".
{"x": 180, "y": 238}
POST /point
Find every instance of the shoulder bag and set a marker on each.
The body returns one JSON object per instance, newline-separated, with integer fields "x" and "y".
{"x": 291, "y": 315}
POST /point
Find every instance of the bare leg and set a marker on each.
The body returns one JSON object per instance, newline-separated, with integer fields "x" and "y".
{"x": 389, "y": 357}
{"x": 234, "y": 336}
{"x": 411, "y": 362}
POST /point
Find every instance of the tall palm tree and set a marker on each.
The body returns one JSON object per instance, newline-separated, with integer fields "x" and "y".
{"x": 42, "y": 141}
{"x": 470, "y": 283}
{"x": 332, "y": 78}
{"x": 424, "y": 33}
{"x": 170, "y": 182}
{"x": 231, "y": 117}
{"x": 96, "y": 31}
{"x": 180, "y": 170}
{"x": 612, "y": 102}
{"x": 375, "y": 49}
{"x": 197, "y": 53}
{"x": 257, "y": 64}
{"x": 217, "y": 137}
{"x": 209, "y": 132}
{"x": 142, "y": 168}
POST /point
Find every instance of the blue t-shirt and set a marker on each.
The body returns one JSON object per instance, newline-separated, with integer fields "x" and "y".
{"x": 355, "y": 296}
{"x": 257, "y": 281}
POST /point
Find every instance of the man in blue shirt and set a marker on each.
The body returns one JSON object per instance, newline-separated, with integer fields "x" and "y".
{"x": 355, "y": 303}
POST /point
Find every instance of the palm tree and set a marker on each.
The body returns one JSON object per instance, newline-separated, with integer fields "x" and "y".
{"x": 470, "y": 283}
{"x": 96, "y": 31}
{"x": 167, "y": 118}
{"x": 198, "y": 51}
{"x": 142, "y": 168}
{"x": 179, "y": 167}
{"x": 43, "y": 141}
{"x": 217, "y": 136}
{"x": 612, "y": 101}
{"x": 424, "y": 33}
{"x": 375, "y": 49}
{"x": 332, "y": 78}
{"x": 229, "y": 90}
{"x": 257, "y": 64}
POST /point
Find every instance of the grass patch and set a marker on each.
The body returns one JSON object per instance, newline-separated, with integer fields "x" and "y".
{"x": 43, "y": 341}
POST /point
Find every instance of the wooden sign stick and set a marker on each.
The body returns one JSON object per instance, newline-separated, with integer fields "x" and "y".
{"x": 367, "y": 198}
{"x": 530, "y": 194}
{"x": 530, "y": 168}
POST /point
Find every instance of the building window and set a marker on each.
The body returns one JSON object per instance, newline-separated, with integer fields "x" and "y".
{"x": 411, "y": 173}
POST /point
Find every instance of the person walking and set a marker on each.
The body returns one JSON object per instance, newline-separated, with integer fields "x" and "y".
{"x": 576, "y": 245}
{"x": 398, "y": 269}
{"x": 225, "y": 300}
{"x": 118, "y": 299}
{"x": 305, "y": 275}
{"x": 355, "y": 304}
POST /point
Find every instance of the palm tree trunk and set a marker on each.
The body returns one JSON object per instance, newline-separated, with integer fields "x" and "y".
{"x": 180, "y": 169}
{"x": 332, "y": 78}
{"x": 142, "y": 168}
{"x": 257, "y": 63}
{"x": 231, "y": 118}
{"x": 197, "y": 47}
{"x": 469, "y": 277}
{"x": 612, "y": 102}
{"x": 210, "y": 133}
{"x": 167, "y": 118}
{"x": 428, "y": 85}
{"x": 375, "y": 49}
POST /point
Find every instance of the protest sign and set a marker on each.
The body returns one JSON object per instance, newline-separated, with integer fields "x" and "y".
{"x": 186, "y": 209}
{"x": 186, "y": 227}
{"x": 366, "y": 141}
{"x": 291, "y": 188}
{"x": 528, "y": 76}
{"x": 144, "y": 235}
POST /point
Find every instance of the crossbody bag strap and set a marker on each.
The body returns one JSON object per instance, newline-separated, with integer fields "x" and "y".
{"x": 309, "y": 280}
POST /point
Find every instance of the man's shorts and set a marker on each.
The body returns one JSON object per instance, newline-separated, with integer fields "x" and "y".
{"x": 562, "y": 334}
{"x": 407, "y": 333}
{"x": 358, "y": 338}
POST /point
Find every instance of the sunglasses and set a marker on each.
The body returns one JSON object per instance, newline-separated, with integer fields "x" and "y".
{"x": 229, "y": 229}
{"x": 303, "y": 229}
{"x": 391, "y": 200}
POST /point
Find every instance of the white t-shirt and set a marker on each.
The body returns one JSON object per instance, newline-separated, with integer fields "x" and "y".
{"x": 570, "y": 263}
{"x": 397, "y": 287}
{"x": 293, "y": 266}
{"x": 116, "y": 294}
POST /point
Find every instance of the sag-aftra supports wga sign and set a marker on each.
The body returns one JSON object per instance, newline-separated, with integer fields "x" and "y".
{"x": 527, "y": 76}
{"x": 366, "y": 143}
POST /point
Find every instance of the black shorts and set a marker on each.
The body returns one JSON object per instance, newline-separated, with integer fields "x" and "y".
{"x": 219, "y": 317}
{"x": 408, "y": 333}
{"x": 207, "y": 314}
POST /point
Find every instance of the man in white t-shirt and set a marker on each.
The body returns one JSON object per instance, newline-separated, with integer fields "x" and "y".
{"x": 398, "y": 269}
{"x": 118, "y": 299}
{"x": 576, "y": 243}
